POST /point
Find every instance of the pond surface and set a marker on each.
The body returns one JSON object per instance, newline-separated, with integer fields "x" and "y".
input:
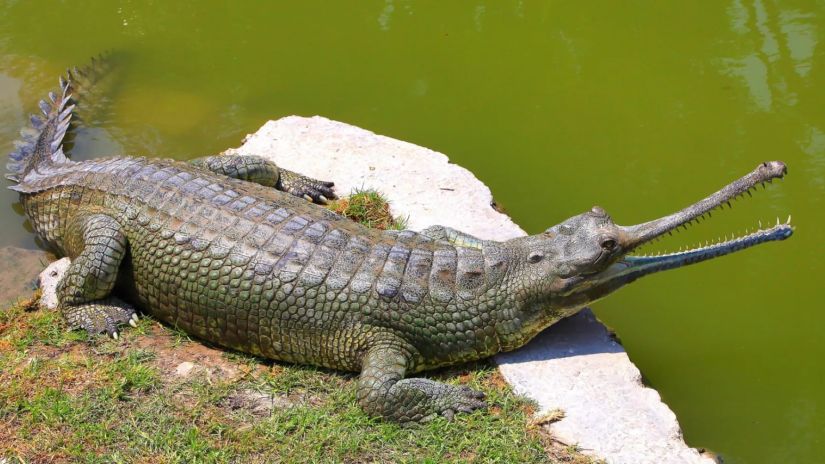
{"x": 639, "y": 107}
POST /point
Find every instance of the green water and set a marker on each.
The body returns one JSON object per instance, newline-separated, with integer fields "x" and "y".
{"x": 638, "y": 107}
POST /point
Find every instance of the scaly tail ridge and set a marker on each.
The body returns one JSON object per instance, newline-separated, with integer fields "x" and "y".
{"x": 42, "y": 143}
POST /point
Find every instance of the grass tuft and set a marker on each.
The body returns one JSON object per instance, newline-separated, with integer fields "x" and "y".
{"x": 368, "y": 208}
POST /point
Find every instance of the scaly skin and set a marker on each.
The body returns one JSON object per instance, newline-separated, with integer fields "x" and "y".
{"x": 214, "y": 248}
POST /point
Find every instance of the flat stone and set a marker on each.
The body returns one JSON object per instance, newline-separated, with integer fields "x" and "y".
{"x": 48, "y": 281}
{"x": 183, "y": 369}
{"x": 577, "y": 366}
{"x": 574, "y": 366}
{"x": 422, "y": 185}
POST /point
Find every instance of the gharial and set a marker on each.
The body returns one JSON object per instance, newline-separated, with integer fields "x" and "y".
{"x": 227, "y": 250}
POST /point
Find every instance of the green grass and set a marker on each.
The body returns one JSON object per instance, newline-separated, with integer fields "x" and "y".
{"x": 67, "y": 398}
{"x": 369, "y": 208}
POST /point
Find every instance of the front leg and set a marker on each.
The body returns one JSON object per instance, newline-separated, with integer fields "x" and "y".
{"x": 383, "y": 392}
{"x": 305, "y": 187}
{"x": 264, "y": 172}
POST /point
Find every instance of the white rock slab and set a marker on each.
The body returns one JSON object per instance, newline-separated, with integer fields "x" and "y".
{"x": 48, "y": 281}
{"x": 422, "y": 185}
{"x": 574, "y": 366}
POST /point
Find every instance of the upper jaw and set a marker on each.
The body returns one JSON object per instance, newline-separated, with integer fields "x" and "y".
{"x": 633, "y": 236}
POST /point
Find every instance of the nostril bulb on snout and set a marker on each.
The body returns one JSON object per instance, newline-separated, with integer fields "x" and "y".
{"x": 598, "y": 210}
{"x": 777, "y": 167}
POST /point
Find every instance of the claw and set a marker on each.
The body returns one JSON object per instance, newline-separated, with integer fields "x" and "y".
{"x": 115, "y": 335}
{"x": 424, "y": 420}
{"x": 134, "y": 317}
{"x": 323, "y": 198}
{"x": 308, "y": 198}
{"x": 132, "y": 323}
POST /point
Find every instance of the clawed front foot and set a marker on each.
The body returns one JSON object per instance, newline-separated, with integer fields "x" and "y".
{"x": 308, "y": 188}
{"x": 383, "y": 392}
{"x": 439, "y": 399}
{"x": 464, "y": 400}
{"x": 256, "y": 169}
{"x": 420, "y": 400}
{"x": 102, "y": 316}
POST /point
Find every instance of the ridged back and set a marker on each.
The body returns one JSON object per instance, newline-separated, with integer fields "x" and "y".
{"x": 271, "y": 232}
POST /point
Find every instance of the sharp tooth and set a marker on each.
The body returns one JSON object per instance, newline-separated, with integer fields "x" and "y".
{"x": 760, "y": 223}
{"x": 777, "y": 220}
{"x": 729, "y": 206}
{"x": 789, "y": 219}
{"x": 749, "y": 193}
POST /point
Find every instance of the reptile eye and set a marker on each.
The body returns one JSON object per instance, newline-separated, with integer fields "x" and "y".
{"x": 535, "y": 257}
{"x": 608, "y": 244}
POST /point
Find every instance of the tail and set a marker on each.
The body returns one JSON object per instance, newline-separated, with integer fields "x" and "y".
{"x": 42, "y": 144}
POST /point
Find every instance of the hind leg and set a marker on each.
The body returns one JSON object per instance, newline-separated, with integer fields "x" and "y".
{"x": 262, "y": 171}
{"x": 96, "y": 245}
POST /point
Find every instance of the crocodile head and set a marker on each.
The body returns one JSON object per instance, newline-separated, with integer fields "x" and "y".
{"x": 589, "y": 256}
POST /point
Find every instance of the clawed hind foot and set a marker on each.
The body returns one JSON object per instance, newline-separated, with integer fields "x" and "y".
{"x": 102, "y": 316}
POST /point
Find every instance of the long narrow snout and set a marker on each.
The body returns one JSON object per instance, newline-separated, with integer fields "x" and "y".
{"x": 634, "y": 236}
{"x": 628, "y": 268}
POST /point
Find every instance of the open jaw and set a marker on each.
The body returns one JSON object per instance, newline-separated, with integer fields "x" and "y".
{"x": 631, "y": 267}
